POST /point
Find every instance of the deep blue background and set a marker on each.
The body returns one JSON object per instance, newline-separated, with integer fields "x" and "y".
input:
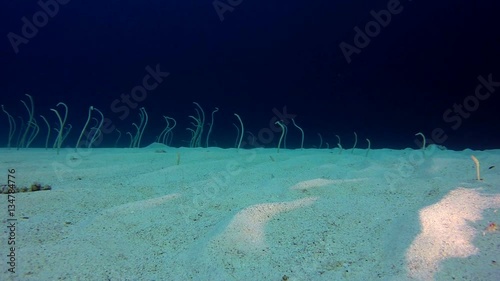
{"x": 263, "y": 55}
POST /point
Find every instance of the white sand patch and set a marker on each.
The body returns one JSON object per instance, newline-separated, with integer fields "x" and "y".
{"x": 321, "y": 182}
{"x": 246, "y": 231}
{"x": 135, "y": 206}
{"x": 446, "y": 231}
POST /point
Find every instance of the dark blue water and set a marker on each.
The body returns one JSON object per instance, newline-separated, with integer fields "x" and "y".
{"x": 383, "y": 69}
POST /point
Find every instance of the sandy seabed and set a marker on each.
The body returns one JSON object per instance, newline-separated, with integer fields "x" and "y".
{"x": 160, "y": 213}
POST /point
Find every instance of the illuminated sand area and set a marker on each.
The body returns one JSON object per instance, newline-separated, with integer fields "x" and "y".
{"x": 160, "y": 213}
